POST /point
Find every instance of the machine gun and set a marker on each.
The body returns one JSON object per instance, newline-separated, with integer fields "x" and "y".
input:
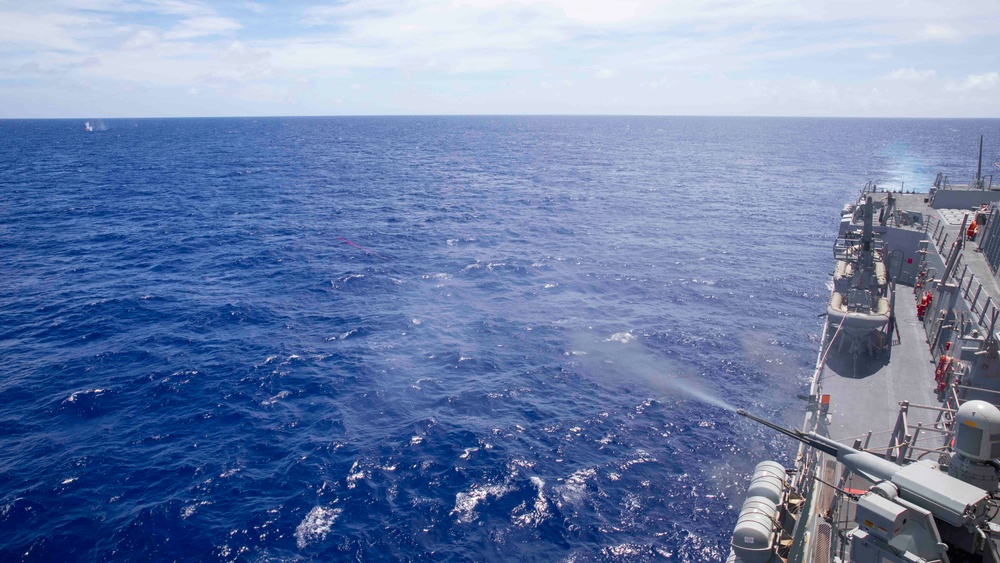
{"x": 913, "y": 512}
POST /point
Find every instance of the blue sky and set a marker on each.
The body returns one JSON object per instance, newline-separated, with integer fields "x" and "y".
{"x": 116, "y": 58}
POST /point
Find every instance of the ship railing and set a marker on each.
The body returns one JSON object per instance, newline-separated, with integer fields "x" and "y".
{"x": 846, "y": 247}
{"x": 911, "y": 220}
{"x": 980, "y": 312}
{"x": 980, "y": 303}
{"x": 938, "y": 231}
{"x": 977, "y": 310}
{"x": 899, "y": 445}
{"x": 982, "y": 182}
{"x": 964, "y": 390}
{"x": 941, "y": 182}
{"x": 989, "y": 240}
{"x": 902, "y": 444}
{"x": 843, "y": 248}
{"x": 933, "y": 228}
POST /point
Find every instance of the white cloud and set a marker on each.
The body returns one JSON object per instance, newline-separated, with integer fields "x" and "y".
{"x": 174, "y": 7}
{"x": 985, "y": 81}
{"x": 911, "y": 74}
{"x": 45, "y": 31}
{"x": 663, "y": 82}
{"x": 142, "y": 39}
{"x": 598, "y": 12}
{"x": 202, "y": 26}
{"x": 720, "y": 55}
{"x": 482, "y": 64}
{"x": 939, "y": 31}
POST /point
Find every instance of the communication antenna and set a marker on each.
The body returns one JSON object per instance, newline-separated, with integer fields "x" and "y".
{"x": 979, "y": 169}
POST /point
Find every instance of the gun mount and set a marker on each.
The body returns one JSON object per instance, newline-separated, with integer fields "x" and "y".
{"x": 914, "y": 512}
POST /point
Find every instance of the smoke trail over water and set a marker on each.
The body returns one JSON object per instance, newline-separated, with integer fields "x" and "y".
{"x": 619, "y": 358}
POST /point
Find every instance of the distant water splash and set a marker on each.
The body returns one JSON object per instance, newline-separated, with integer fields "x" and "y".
{"x": 96, "y": 125}
{"x": 621, "y": 357}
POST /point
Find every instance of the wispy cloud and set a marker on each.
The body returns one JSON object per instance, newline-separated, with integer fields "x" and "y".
{"x": 141, "y": 39}
{"x": 202, "y": 27}
{"x": 255, "y": 7}
{"x": 48, "y": 31}
{"x": 937, "y": 31}
{"x": 650, "y": 56}
{"x": 985, "y": 81}
{"x": 911, "y": 74}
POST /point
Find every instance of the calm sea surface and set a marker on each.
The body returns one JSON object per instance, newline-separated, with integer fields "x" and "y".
{"x": 415, "y": 338}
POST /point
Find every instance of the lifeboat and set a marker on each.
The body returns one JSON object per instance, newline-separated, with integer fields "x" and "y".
{"x": 845, "y": 269}
{"x": 857, "y": 323}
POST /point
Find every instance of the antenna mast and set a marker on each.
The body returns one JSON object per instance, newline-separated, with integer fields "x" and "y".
{"x": 979, "y": 170}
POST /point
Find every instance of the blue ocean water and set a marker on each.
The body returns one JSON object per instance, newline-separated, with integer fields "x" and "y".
{"x": 401, "y": 338}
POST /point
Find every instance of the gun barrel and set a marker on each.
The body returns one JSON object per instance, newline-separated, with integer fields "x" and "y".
{"x": 808, "y": 439}
{"x": 867, "y": 464}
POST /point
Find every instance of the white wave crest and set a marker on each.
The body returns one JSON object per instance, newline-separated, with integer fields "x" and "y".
{"x": 77, "y": 394}
{"x": 465, "y": 503}
{"x": 316, "y": 525}
{"x": 354, "y": 475}
{"x": 623, "y": 337}
{"x": 574, "y": 490}
{"x": 540, "y": 510}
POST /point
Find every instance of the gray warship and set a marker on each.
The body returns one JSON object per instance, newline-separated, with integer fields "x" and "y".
{"x": 899, "y": 453}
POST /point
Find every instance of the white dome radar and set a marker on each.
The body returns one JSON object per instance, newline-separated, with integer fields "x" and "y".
{"x": 977, "y": 431}
{"x": 977, "y": 445}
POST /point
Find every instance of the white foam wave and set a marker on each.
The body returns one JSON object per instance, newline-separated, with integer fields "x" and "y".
{"x": 345, "y": 335}
{"x": 190, "y": 509}
{"x": 76, "y": 395}
{"x": 540, "y": 510}
{"x": 276, "y": 398}
{"x": 623, "y": 337}
{"x": 625, "y": 550}
{"x": 316, "y": 525}
{"x": 466, "y": 503}
{"x": 641, "y": 456}
{"x": 354, "y": 475}
{"x": 574, "y": 489}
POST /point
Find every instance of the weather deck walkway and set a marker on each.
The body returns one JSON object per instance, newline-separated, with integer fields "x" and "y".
{"x": 865, "y": 391}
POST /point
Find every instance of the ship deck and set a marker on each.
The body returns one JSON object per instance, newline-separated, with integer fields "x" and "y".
{"x": 951, "y": 221}
{"x": 865, "y": 391}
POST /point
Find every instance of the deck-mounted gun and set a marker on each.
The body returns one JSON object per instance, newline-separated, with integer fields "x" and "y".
{"x": 865, "y": 464}
{"x": 903, "y": 511}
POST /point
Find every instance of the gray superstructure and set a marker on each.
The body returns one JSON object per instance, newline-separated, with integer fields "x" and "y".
{"x": 898, "y": 460}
